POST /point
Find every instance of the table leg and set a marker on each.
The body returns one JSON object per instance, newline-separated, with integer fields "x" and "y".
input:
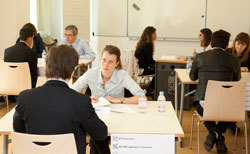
{"x": 5, "y": 144}
{"x": 176, "y": 93}
{"x": 181, "y": 110}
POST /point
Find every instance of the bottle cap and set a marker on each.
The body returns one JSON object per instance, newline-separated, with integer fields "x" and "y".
{"x": 161, "y": 92}
{"x": 189, "y": 58}
{"x": 142, "y": 94}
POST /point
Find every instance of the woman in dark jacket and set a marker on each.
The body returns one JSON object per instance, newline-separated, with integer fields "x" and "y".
{"x": 144, "y": 53}
{"x": 241, "y": 49}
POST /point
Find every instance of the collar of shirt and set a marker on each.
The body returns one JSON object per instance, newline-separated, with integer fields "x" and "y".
{"x": 24, "y": 42}
{"x": 113, "y": 78}
{"x": 217, "y": 48}
{"x": 58, "y": 79}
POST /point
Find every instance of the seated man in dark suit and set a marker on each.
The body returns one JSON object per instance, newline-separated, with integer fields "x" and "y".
{"x": 215, "y": 64}
{"x": 54, "y": 108}
{"x": 22, "y": 52}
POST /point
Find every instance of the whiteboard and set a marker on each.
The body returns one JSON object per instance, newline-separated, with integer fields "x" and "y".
{"x": 109, "y": 17}
{"x": 173, "y": 19}
{"x": 230, "y": 15}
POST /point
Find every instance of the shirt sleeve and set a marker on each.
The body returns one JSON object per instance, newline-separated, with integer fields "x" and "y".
{"x": 88, "y": 53}
{"x": 131, "y": 85}
{"x": 81, "y": 83}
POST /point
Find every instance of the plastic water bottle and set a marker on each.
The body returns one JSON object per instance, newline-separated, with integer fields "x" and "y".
{"x": 161, "y": 100}
{"x": 189, "y": 63}
{"x": 142, "y": 103}
{"x": 44, "y": 54}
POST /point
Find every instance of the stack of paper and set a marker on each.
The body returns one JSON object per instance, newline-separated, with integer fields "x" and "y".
{"x": 101, "y": 102}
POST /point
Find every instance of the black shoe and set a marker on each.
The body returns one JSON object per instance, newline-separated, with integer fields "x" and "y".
{"x": 232, "y": 129}
{"x": 210, "y": 141}
{"x": 220, "y": 145}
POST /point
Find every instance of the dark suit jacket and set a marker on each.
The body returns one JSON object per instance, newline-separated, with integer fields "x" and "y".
{"x": 38, "y": 45}
{"x": 22, "y": 53}
{"x": 215, "y": 64}
{"x": 54, "y": 108}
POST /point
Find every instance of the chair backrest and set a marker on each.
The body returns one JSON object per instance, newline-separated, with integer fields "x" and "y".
{"x": 43, "y": 144}
{"x": 41, "y": 80}
{"x": 14, "y": 78}
{"x": 225, "y": 101}
{"x": 130, "y": 63}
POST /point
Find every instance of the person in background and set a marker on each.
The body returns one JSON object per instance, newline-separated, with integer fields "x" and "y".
{"x": 144, "y": 53}
{"x": 22, "y": 52}
{"x": 82, "y": 47}
{"x": 215, "y": 64}
{"x": 54, "y": 108}
{"x": 38, "y": 44}
{"x": 205, "y": 38}
{"x": 109, "y": 80}
{"x": 241, "y": 49}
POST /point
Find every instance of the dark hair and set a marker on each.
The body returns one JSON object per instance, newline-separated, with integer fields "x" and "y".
{"x": 73, "y": 28}
{"x": 220, "y": 39}
{"x": 146, "y": 37}
{"x": 113, "y": 50}
{"x": 242, "y": 38}
{"x": 61, "y": 61}
{"x": 207, "y": 36}
{"x": 25, "y": 33}
{"x": 30, "y": 25}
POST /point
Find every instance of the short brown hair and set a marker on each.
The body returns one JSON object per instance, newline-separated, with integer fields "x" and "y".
{"x": 61, "y": 62}
{"x": 113, "y": 50}
{"x": 30, "y": 25}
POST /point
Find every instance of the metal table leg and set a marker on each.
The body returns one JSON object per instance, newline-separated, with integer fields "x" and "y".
{"x": 176, "y": 93}
{"x": 181, "y": 110}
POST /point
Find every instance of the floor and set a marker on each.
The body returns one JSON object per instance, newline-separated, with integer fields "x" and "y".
{"x": 186, "y": 127}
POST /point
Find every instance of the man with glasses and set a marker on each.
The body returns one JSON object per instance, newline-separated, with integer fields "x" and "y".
{"x": 79, "y": 45}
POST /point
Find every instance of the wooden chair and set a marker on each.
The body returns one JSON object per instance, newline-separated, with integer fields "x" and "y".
{"x": 14, "y": 78}
{"x": 43, "y": 144}
{"x": 224, "y": 101}
{"x": 41, "y": 80}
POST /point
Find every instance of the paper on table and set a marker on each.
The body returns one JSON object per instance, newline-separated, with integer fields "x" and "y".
{"x": 168, "y": 57}
{"x": 121, "y": 108}
{"x": 101, "y": 102}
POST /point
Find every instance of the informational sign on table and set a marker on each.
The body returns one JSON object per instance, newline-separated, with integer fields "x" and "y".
{"x": 142, "y": 144}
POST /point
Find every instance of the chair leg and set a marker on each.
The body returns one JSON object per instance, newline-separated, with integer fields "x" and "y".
{"x": 192, "y": 127}
{"x": 7, "y": 102}
{"x": 235, "y": 137}
{"x": 198, "y": 136}
{"x": 245, "y": 137}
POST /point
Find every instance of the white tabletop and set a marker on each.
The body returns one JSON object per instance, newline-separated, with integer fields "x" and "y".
{"x": 153, "y": 122}
{"x": 183, "y": 75}
{"x": 41, "y": 62}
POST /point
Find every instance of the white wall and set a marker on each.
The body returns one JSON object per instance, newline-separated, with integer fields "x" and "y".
{"x": 162, "y": 48}
{"x": 13, "y": 15}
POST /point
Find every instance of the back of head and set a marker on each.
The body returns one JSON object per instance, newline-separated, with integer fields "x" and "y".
{"x": 25, "y": 33}
{"x": 73, "y": 28}
{"x": 113, "y": 50}
{"x": 207, "y": 36}
{"x": 61, "y": 61}
{"x": 30, "y": 25}
{"x": 220, "y": 39}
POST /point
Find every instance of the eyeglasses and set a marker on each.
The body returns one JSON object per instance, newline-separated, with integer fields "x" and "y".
{"x": 68, "y": 35}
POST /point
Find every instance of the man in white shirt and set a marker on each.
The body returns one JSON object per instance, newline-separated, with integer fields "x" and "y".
{"x": 79, "y": 45}
{"x": 82, "y": 47}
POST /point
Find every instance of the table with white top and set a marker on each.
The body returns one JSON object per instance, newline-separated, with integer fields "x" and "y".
{"x": 152, "y": 122}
